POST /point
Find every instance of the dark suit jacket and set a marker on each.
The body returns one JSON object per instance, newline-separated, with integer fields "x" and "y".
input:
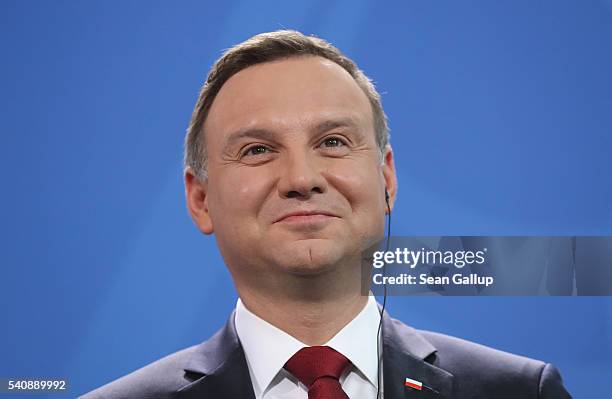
{"x": 448, "y": 368}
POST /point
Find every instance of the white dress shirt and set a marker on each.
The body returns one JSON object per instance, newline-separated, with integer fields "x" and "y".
{"x": 267, "y": 348}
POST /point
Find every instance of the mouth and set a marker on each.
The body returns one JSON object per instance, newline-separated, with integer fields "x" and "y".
{"x": 306, "y": 217}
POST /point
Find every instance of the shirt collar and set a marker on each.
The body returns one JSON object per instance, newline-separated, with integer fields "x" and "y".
{"x": 267, "y": 348}
{"x": 358, "y": 341}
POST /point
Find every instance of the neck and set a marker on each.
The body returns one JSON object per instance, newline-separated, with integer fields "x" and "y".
{"x": 311, "y": 319}
{"x": 311, "y": 307}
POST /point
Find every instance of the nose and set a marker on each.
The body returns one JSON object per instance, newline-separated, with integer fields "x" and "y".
{"x": 301, "y": 177}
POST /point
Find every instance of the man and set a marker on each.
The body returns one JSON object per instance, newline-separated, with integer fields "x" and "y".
{"x": 288, "y": 164}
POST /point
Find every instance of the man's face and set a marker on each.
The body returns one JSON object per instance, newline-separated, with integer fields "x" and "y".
{"x": 295, "y": 183}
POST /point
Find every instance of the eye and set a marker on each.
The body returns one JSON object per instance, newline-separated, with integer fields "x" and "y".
{"x": 334, "y": 141}
{"x": 255, "y": 150}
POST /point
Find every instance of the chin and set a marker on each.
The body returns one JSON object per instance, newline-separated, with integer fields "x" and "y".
{"x": 310, "y": 258}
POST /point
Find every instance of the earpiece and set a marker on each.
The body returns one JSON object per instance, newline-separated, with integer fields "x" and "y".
{"x": 384, "y": 304}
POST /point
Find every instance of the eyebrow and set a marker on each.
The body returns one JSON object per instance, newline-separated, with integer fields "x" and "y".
{"x": 255, "y": 133}
{"x": 331, "y": 124}
{"x": 265, "y": 134}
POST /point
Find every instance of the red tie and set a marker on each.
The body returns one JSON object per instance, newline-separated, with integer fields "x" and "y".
{"x": 319, "y": 368}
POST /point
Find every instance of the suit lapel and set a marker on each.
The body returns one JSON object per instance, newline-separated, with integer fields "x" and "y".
{"x": 405, "y": 355}
{"x": 219, "y": 368}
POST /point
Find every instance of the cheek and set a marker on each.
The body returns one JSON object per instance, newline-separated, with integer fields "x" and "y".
{"x": 362, "y": 186}
{"x": 237, "y": 196}
{"x": 364, "y": 191}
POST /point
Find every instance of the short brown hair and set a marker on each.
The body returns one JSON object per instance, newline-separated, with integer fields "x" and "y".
{"x": 267, "y": 47}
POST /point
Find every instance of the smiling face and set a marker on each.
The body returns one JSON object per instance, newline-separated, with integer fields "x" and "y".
{"x": 295, "y": 184}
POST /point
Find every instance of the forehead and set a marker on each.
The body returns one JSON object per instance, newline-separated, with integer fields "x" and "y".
{"x": 288, "y": 94}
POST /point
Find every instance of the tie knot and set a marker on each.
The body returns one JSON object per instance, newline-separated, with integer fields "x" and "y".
{"x": 314, "y": 362}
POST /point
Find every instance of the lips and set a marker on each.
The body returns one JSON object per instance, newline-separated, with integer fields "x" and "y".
{"x": 304, "y": 215}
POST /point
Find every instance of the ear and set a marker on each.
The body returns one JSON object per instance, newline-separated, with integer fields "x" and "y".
{"x": 197, "y": 201}
{"x": 388, "y": 170}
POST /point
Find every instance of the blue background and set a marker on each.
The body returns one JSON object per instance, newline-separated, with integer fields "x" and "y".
{"x": 501, "y": 123}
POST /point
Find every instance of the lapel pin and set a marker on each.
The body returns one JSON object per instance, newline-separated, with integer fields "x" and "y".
{"x": 413, "y": 384}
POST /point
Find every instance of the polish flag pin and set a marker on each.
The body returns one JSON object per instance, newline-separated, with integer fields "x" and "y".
{"x": 413, "y": 384}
